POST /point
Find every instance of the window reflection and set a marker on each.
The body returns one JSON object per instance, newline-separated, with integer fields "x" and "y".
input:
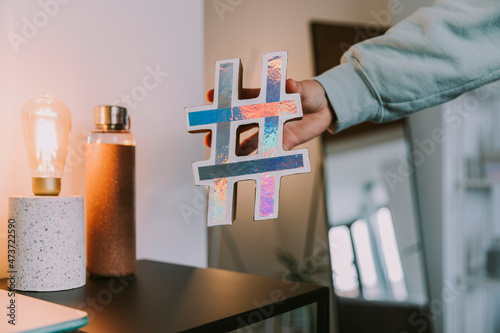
{"x": 345, "y": 276}
{"x": 354, "y": 252}
{"x": 391, "y": 254}
{"x": 364, "y": 254}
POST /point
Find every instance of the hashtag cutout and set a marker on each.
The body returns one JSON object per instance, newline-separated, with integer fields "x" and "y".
{"x": 269, "y": 110}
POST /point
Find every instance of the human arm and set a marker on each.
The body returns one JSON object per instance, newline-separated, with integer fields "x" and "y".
{"x": 431, "y": 57}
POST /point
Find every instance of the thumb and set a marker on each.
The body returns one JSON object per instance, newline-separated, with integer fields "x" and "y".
{"x": 293, "y": 86}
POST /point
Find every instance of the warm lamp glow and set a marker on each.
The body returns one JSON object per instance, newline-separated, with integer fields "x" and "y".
{"x": 47, "y": 124}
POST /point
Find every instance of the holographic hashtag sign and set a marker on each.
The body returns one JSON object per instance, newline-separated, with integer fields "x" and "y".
{"x": 269, "y": 110}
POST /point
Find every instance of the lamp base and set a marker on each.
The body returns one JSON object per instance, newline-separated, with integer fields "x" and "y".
{"x": 49, "y": 249}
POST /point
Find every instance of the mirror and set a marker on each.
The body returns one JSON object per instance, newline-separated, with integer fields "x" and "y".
{"x": 378, "y": 263}
{"x": 375, "y": 241}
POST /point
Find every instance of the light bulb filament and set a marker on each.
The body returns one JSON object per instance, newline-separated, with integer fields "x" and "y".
{"x": 46, "y": 147}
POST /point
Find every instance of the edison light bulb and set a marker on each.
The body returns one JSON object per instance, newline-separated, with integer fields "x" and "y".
{"x": 47, "y": 125}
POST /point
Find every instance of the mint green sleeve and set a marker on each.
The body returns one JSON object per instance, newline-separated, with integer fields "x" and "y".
{"x": 431, "y": 57}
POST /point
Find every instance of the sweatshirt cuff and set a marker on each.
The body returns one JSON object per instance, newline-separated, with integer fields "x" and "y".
{"x": 351, "y": 95}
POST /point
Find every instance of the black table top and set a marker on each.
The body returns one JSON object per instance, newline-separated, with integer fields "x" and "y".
{"x": 173, "y": 298}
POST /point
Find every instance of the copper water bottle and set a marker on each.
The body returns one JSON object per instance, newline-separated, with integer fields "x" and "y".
{"x": 110, "y": 194}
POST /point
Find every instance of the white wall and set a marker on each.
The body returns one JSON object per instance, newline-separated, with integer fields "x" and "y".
{"x": 91, "y": 52}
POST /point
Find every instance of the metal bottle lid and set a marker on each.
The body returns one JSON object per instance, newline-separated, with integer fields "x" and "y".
{"x": 111, "y": 117}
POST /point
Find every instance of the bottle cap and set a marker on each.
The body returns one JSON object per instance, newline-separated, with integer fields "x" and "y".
{"x": 111, "y": 117}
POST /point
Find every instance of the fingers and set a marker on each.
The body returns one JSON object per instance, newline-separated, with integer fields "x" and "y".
{"x": 208, "y": 140}
{"x": 248, "y": 145}
{"x": 292, "y": 86}
{"x": 210, "y": 96}
{"x": 249, "y": 93}
{"x": 244, "y": 128}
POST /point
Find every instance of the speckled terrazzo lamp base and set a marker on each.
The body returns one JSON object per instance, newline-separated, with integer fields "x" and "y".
{"x": 50, "y": 242}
